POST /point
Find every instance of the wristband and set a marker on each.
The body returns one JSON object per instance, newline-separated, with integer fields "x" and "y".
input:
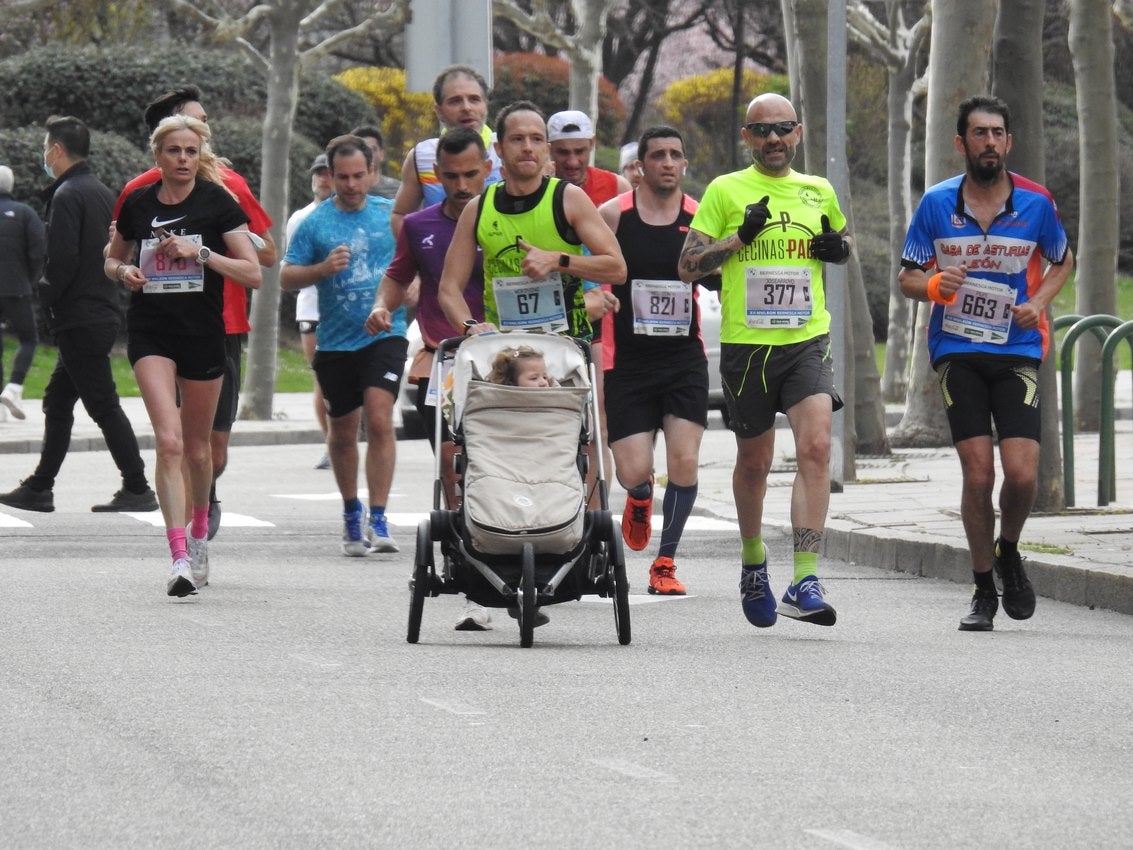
{"x": 932, "y": 290}
{"x": 121, "y": 273}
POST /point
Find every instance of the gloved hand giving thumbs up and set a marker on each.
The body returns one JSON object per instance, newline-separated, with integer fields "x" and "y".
{"x": 828, "y": 246}
{"x": 755, "y": 216}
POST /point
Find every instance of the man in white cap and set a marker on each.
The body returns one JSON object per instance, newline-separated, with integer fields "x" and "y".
{"x": 628, "y": 164}
{"x": 571, "y": 134}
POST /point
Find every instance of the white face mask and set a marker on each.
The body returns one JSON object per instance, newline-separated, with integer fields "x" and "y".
{"x": 47, "y": 168}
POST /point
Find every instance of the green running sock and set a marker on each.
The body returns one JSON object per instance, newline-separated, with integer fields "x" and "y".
{"x": 754, "y": 552}
{"x": 806, "y": 564}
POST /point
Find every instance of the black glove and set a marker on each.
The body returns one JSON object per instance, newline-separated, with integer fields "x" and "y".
{"x": 828, "y": 246}
{"x": 755, "y": 216}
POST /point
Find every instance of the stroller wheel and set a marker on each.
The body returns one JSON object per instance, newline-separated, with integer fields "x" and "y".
{"x": 527, "y": 598}
{"x": 616, "y": 575}
{"x": 419, "y": 586}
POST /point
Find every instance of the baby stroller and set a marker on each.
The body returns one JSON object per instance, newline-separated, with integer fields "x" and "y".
{"x": 523, "y": 536}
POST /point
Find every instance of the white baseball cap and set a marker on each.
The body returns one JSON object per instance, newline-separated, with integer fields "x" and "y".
{"x": 570, "y": 124}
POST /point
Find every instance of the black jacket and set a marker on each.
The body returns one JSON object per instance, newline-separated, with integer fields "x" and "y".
{"x": 75, "y": 292}
{"x": 21, "y": 247}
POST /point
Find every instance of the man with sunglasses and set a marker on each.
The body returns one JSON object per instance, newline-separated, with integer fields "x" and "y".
{"x": 768, "y": 230}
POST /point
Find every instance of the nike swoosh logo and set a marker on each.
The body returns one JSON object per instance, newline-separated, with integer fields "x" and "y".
{"x": 156, "y": 223}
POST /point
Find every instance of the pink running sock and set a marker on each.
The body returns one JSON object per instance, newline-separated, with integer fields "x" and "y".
{"x": 177, "y": 544}
{"x": 200, "y": 527}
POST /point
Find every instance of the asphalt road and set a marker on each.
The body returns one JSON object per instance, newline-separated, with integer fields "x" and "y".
{"x": 282, "y": 706}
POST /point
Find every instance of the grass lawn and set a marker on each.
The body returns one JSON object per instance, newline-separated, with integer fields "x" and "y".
{"x": 292, "y": 373}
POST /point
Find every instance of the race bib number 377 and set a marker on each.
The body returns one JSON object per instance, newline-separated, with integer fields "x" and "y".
{"x": 778, "y": 296}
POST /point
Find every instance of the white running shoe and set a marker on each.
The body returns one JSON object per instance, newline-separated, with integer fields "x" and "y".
{"x": 474, "y": 618}
{"x": 198, "y": 559}
{"x": 180, "y": 579}
{"x": 11, "y": 397}
{"x": 377, "y": 533}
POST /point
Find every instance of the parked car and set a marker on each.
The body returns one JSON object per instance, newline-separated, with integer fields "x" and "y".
{"x": 412, "y": 427}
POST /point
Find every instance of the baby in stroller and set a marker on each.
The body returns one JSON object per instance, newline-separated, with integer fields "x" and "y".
{"x": 523, "y": 537}
{"x": 521, "y": 367}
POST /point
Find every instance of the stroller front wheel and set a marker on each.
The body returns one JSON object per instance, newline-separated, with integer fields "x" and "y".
{"x": 527, "y": 598}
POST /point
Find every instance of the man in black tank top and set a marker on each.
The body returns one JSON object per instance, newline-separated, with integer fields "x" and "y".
{"x": 659, "y": 378}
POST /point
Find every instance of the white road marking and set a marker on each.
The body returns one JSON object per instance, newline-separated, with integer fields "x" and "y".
{"x": 453, "y": 707}
{"x": 9, "y": 521}
{"x": 410, "y": 519}
{"x": 634, "y": 771}
{"x": 849, "y": 838}
{"x": 227, "y": 520}
{"x": 315, "y": 661}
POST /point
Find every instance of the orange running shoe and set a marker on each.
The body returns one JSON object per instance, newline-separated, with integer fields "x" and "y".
{"x": 662, "y": 578}
{"x": 637, "y": 520}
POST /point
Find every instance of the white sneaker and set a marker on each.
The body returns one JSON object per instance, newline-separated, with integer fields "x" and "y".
{"x": 11, "y": 397}
{"x": 474, "y": 618}
{"x": 324, "y": 462}
{"x": 3, "y": 413}
{"x": 180, "y": 579}
{"x": 198, "y": 559}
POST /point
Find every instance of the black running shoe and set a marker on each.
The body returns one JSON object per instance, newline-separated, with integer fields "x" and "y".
{"x": 985, "y": 604}
{"x": 124, "y": 500}
{"x": 1018, "y": 595}
{"x": 27, "y": 499}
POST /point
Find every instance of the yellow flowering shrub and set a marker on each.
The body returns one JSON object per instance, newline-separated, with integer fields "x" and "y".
{"x": 406, "y": 117}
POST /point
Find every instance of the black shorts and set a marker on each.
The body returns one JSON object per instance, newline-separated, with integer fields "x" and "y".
{"x": 637, "y": 402}
{"x": 229, "y": 402}
{"x": 344, "y": 376}
{"x": 197, "y": 358}
{"x": 979, "y": 389}
{"x": 307, "y": 326}
{"x": 762, "y": 380}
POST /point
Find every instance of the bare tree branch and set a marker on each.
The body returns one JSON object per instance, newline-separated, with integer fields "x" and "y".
{"x": 538, "y": 22}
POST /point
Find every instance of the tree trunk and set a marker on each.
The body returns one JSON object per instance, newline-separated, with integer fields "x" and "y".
{"x": 1091, "y": 47}
{"x": 586, "y": 57}
{"x": 1017, "y": 77}
{"x": 282, "y": 97}
{"x": 895, "y": 378}
{"x": 958, "y": 67}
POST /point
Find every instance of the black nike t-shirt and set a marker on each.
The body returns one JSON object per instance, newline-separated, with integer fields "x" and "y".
{"x": 182, "y": 297}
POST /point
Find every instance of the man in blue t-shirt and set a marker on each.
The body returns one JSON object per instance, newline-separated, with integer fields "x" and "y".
{"x": 343, "y": 248}
{"x": 988, "y": 249}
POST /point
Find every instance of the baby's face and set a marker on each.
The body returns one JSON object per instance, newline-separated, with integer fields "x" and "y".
{"x": 533, "y": 374}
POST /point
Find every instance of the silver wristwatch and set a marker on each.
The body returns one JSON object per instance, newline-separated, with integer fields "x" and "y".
{"x": 203, "y": 255}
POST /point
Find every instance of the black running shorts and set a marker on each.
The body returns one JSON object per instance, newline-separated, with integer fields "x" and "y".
{"x": 637, "y": 402}
{"x": 344, "y": 376}
{"x": 229, "y": 402}
{"x": 980, "y": 389}
{"x": 762, "y": 380}
{"x": 197, "y": 358}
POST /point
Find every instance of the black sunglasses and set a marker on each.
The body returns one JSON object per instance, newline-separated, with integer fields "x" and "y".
{"x": 781, "y": 128}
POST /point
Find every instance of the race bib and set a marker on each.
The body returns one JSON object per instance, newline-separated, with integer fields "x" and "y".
{"x": 778, "y": 296}
{"x": 167, "y": 276}
{"x": 661, "y": 307}
{"x": 523, "y": 304}
{"x": 981, "y": 311}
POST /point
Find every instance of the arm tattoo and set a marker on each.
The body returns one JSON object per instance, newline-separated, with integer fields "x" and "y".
{"x": 808, "y": 539}
{"x": 703, "y": 254}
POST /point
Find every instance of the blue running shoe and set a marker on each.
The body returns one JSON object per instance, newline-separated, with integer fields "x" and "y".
{"x": 803, "y": 601}
{"x": 354, "y": 545}
{"x": 756, "y": 597}
{"x": 378, "y": 535}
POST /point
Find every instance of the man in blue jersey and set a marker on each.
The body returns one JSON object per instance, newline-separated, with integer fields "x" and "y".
{"x": 344, "y": 247}
{"x": 988, "y": 249}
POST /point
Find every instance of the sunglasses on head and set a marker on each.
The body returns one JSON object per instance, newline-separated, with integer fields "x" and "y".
{"x": 781, "y": 128}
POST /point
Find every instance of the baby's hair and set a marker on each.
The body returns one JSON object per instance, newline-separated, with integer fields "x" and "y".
{"x": 507, "y": 363}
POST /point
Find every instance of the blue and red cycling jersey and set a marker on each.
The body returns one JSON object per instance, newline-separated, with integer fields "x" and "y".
{"x": 1027, "y": 232}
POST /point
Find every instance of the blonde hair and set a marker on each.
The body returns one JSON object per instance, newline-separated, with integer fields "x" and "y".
{"x": 508, "y": 362}
{"x": 209, "y": 163}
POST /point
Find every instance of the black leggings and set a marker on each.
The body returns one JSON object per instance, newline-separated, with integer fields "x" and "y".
{"x": 17, "y": 311}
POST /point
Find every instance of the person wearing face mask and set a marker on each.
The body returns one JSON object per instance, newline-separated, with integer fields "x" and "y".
{"x": 81, "y": 309}
{"x": 769, "y": 230}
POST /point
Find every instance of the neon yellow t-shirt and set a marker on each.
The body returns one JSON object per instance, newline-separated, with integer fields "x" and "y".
{"x": 773, "y": 291}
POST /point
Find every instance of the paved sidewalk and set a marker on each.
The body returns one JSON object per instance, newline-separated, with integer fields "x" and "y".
{"x": 902, "y": 512}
